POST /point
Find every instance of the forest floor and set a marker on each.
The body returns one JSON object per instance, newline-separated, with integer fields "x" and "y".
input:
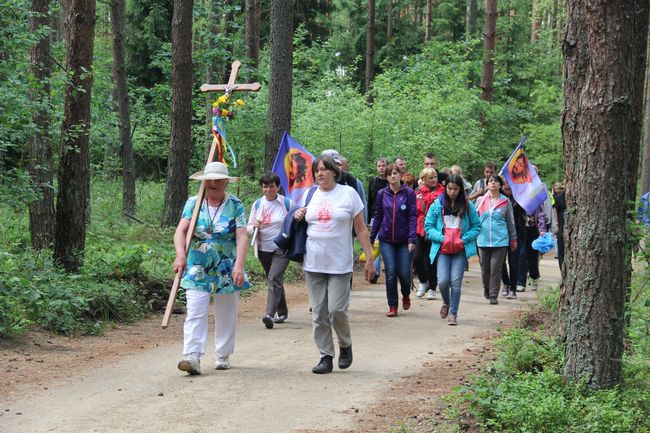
{"x": 126, "y": 380}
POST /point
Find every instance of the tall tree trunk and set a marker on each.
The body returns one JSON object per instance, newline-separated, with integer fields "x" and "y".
{"x": 180, "y": 144}
{"x": 370, "y": 49}
{"x": 489, "y": 43}
{"x": 471, "y": 18}
{"x": 118, "y": 28}
{"x": 418, "y": 12}
{"x": 253, "y": 36}
{"x": 534, "y": 22}
{"x": 41, "y": 212}
{"x": 72, "y": 208}
{"x": 600, "y": 131}
{"x": 280, "y": 76}
{"x": 645, "y": 167}
{"x": 389, "y": 21}
{"x": 427, "y": 22}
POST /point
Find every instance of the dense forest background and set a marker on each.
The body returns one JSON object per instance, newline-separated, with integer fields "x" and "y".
{"x": 426, "y": 95}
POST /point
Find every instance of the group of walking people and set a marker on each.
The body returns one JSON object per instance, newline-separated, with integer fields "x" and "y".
{"x": 432, "y": 228}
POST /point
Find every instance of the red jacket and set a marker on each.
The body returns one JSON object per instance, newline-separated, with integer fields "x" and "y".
{"x": 426, "y": 197}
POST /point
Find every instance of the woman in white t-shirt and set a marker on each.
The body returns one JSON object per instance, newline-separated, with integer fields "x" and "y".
{"x": 264, "y": 224}
{"x": 331, "y": 214}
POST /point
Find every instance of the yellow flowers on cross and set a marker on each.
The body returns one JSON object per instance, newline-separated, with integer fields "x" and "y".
{"x": 223, "y": 107}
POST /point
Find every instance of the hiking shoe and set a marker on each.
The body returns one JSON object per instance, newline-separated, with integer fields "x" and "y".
{"x": 392, "y": 312}
{"x": 521, "y": 288}
{"x": 431, "y": 295}
{"x": 533, "y": 284}
{"x": 223, "y": 363}
{"x": 268, "y": 322}
{"x": 451, "y": 321}
{"x": 281, "y": 318}
{"x": 422, "y": 289}
{"x": 406, "y": 302}
{"x": 324, "y": 366}
{"x": 345, "y": 357}
{"x": 444, "y": 311}
{"x": 512, "y": 295}
{"x": 493, "y": 300}
{"x": 191, "y": 364}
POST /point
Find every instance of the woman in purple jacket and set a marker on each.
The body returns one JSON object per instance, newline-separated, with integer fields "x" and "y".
{"x": 394, "y": 224}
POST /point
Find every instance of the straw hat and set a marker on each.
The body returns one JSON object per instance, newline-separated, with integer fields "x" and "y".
{"x": 212, "y": 171}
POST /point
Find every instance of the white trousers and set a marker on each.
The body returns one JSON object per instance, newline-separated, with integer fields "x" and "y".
{"x": 195, "y": 329}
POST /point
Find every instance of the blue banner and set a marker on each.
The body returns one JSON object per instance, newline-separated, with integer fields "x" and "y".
{"x": 527, "y": 188}
{"x": 293, "y": 165}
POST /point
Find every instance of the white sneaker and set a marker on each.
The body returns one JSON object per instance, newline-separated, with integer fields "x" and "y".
{"x": 422, "y": 289}
{"x": 533, "y": 284}
{"x": 512, "y": 295}
{"x": 223, "y": 363}
{"x": 431, "y": 295}
{"x": 190, "y": 363}
{"x": 504, "y": 289}
{"x": 521, "y": 288}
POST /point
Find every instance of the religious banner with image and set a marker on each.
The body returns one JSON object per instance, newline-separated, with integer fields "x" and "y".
{"x": 527, "y": 188}
{"x": 293, "y": 165}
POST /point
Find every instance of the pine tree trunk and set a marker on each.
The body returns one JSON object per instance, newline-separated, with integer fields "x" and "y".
{"x": 41, "y": 212}
{"x": 180, "y": 144}
{"x": 370, "y": 49}
{"x": 389, "y": 21}
{"x": 427, "y": 22}
{"x": 599, "y": 127}
{"x": 253, "y": 36}
{"x": 280, "y": 77}
{"x": 489, "y": 43}
{"x": 645, "y": 170}
{"x": 72, "y": 208}
{"x": 471, "y": 17}
{"x": 118, "y": 29}
{"x": 534, "y": 22}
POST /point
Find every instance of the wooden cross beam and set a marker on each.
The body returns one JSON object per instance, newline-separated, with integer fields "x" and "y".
{"x": 228, "y": 90}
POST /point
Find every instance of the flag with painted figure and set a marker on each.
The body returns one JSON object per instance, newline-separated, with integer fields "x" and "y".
{"x": 527, "y": 188}
{"x": 293, "y": 165}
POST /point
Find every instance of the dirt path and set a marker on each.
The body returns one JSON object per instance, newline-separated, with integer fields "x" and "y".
{"x": 127, "y": 380}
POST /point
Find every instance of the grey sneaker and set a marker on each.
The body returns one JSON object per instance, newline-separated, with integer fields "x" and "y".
{"x": 512, "y": 295}
{"x": 451, "y": 320}
{"x": 191, "y": 364}
{"x": 223, "y": 363}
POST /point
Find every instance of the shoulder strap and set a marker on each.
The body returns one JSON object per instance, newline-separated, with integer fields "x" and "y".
{"x": 256, "y": 205}
{"x": 310, "y": 194}
{"x": 286, "y": 203}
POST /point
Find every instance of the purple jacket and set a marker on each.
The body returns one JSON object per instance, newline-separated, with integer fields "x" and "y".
{"x": 394, "y": 216}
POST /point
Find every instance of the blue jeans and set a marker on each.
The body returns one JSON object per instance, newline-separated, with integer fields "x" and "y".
{"x": 397, "y": 264}
{"x": 450, "y": 278}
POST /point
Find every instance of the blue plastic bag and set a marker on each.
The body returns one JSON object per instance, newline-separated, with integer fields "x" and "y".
{"x": 544, "y": 243}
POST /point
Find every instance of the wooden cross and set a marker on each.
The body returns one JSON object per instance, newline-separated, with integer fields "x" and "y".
{"x": 228, "y": 90}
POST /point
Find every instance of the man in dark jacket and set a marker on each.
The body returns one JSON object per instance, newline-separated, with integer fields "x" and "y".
{"x": 375, "y": 184}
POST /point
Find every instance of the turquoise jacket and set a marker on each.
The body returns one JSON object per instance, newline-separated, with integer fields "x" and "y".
{"x": 497, "y": 222}
{"x": 470, "y": 226}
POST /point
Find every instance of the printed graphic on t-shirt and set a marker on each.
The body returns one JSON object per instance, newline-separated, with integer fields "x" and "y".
{"x": 266, "y": 216}
{"x": 324, "y": 215}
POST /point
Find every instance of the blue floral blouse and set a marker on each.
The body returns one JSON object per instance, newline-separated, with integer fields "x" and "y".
{"x": 213, "y": 249}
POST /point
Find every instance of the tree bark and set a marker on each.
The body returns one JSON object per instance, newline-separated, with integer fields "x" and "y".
{"x": 370, "y": 49}
{"x": 389, "y": 21}
{"x": 645, "y": 170}
{"x": 41, "y": 212}
{"x": 599, "y": 127}
{"x": 280, "y": 77}
{"x": 73, "y": 199}
{"x": 118, "y": 28}
{"x": 489, "y": 43}
{"x": 427, "y": 22}
{"x": 471, "y": 18}
{"x": 253, "y": 36}
{"x": 534, "y": 22}
{"x": 180, "y": 144}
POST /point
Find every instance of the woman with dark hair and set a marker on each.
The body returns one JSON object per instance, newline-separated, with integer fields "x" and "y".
{"x": 452, "y": 225}
{"x": 497, "y": 234}
{"x": 331, "y": 212}
{"x": 394, "y": 223}
{"x": 264, "y": 224}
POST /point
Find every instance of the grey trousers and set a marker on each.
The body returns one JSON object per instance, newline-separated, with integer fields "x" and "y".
{"x": 491, "y": 265}
{"x": 329, "y": 295}
{"x": 275, "y": 264}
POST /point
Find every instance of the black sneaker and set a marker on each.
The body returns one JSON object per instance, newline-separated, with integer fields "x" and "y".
{"x": 486, "y": 294}
{"x": 345, "y": 357}
{"x": 493, "y": 301}
{"x": 281, "y": 318}
{"x": 324, "y": 366}
{"x": 268, "y": 322}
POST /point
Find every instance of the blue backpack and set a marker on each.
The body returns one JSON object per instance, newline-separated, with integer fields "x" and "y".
{"x": 287, "y": 204}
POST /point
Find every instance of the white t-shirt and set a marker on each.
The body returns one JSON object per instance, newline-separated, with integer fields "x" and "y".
{"x": 329, "y": 216}
{"x": 271, "y": 216}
